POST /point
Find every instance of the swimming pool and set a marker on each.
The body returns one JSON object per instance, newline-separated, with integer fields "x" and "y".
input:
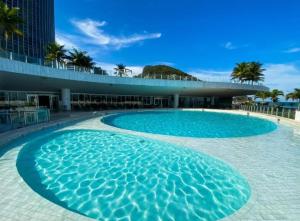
{"x": 202, "y": 124}
{"x": 109, "y": 176}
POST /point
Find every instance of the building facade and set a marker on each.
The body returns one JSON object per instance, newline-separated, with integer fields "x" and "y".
{"x": 25, "y": 84}
{"x": 38, "y": 28}
{"x": 87, "y": 101}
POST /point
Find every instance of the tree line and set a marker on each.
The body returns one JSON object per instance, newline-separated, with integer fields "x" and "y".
{"x": 275, "y": 94}
{"x": 59, "y": 55}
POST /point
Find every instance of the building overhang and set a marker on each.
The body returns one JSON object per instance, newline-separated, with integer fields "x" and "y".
{"x": 20, "y": 76}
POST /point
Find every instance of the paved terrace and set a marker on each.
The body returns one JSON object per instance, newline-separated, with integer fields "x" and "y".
{"x": 270, "y": 162}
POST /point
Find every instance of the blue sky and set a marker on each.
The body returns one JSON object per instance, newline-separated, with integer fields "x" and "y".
{"x": 203, "y": 37}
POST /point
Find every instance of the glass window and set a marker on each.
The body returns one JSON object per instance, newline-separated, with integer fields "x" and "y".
{"x": 81, "y": 97}
{"x": 13, "y": 96}
{"x": 2, "y": 96}
{"x": 103, "y": 99}
{"x": 75, "y": 97}
{"x": 22, "y": 96}
{"x": 87, "y": 98}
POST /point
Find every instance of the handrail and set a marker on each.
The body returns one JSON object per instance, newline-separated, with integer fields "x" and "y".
{"x": 99, "y": 71}
{"x": 10, "y": 119}
{"x": 270, "y": 110}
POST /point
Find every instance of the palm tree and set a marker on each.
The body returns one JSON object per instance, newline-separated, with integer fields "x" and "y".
{"x": 121, "y": 70}
{"x": 263, "y": 95}
{"x": 248, "y": 71}
{"x": 9, "y": 22}
{"x": 294, "y": 95}
{"x": 80, "y": 59}
{"x": 275, "y": 93}
{"x": 297, "y": 92}
{"x": 255, "y": 72}
{"x": 240, "y": 71}
{"x": 55, "y": 52}
{"x": 291, "y": 96}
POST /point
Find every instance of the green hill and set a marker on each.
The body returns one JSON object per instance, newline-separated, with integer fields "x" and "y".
{"x": 164, "y": 72}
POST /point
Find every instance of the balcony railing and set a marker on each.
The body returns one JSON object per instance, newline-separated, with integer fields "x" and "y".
{"x": 269, "y": 110}
{"x": 11, "y": 119}
{"x": 99, "y": 71}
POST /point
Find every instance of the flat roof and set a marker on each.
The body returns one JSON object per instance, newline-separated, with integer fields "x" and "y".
{"x": 21, "y": 76}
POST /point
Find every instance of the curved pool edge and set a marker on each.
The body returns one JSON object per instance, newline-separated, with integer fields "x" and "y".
{"x": 233, "y": 112}
{"x": 14, "y": 190}
{"x": 70, "y": 130}
{"x": 38, "y": 187}
{"x": 156, "y": 136}
{"x": 253, "y": 196}
{"x": 239, "y": 214}
{"x": 65, "y": 126}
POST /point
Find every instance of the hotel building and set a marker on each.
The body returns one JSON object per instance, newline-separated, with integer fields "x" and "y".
{"x": 25, "y": 81}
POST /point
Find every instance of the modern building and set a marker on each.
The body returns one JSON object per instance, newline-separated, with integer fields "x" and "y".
{"x": 38, "y": 28}
{"x": 25, "y": 84}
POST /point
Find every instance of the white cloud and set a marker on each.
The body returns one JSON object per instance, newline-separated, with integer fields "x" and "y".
{"x": 229, "y": 45}
{"x": 292, "y": 50}
{"x": 136, "y": 69}
{"x": 212, "y": 75}
{"x": 97, "y": 36}
{"x": 285, "y": 77}
{"x": 106, "y": 66}
{"x": 67, "y": 40}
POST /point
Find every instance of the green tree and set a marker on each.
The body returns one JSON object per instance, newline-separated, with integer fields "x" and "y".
{"x": 248, "y": 71}
{"x": 275, "y": 93}
{"x": 121, "y": 70}
{"x": 295, "y": 95}
{"x": 240, "y": 71}
{"x": 255, "y": 72}
{"x": 9, "y": 22}
{"x": 55, "y": 52}
{"x": 80, "y": 59}
{"x": 263, "y": 95}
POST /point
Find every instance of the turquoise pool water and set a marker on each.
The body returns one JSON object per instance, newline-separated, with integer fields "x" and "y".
{"x": 112, "y": 176}
{"x": 191, "y": 123}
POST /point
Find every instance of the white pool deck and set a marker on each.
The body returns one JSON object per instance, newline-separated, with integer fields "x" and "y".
{"x": 270, "y": 162}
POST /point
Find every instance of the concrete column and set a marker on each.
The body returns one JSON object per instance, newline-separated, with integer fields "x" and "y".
{"x": 297, "y": 117}
{"x": 66, "y": 99}
{"x": 176, "y": 101}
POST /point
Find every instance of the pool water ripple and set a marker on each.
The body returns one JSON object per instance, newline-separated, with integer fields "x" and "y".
{"x": 202, "y": 124}
{"x": 112, "y": 176}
